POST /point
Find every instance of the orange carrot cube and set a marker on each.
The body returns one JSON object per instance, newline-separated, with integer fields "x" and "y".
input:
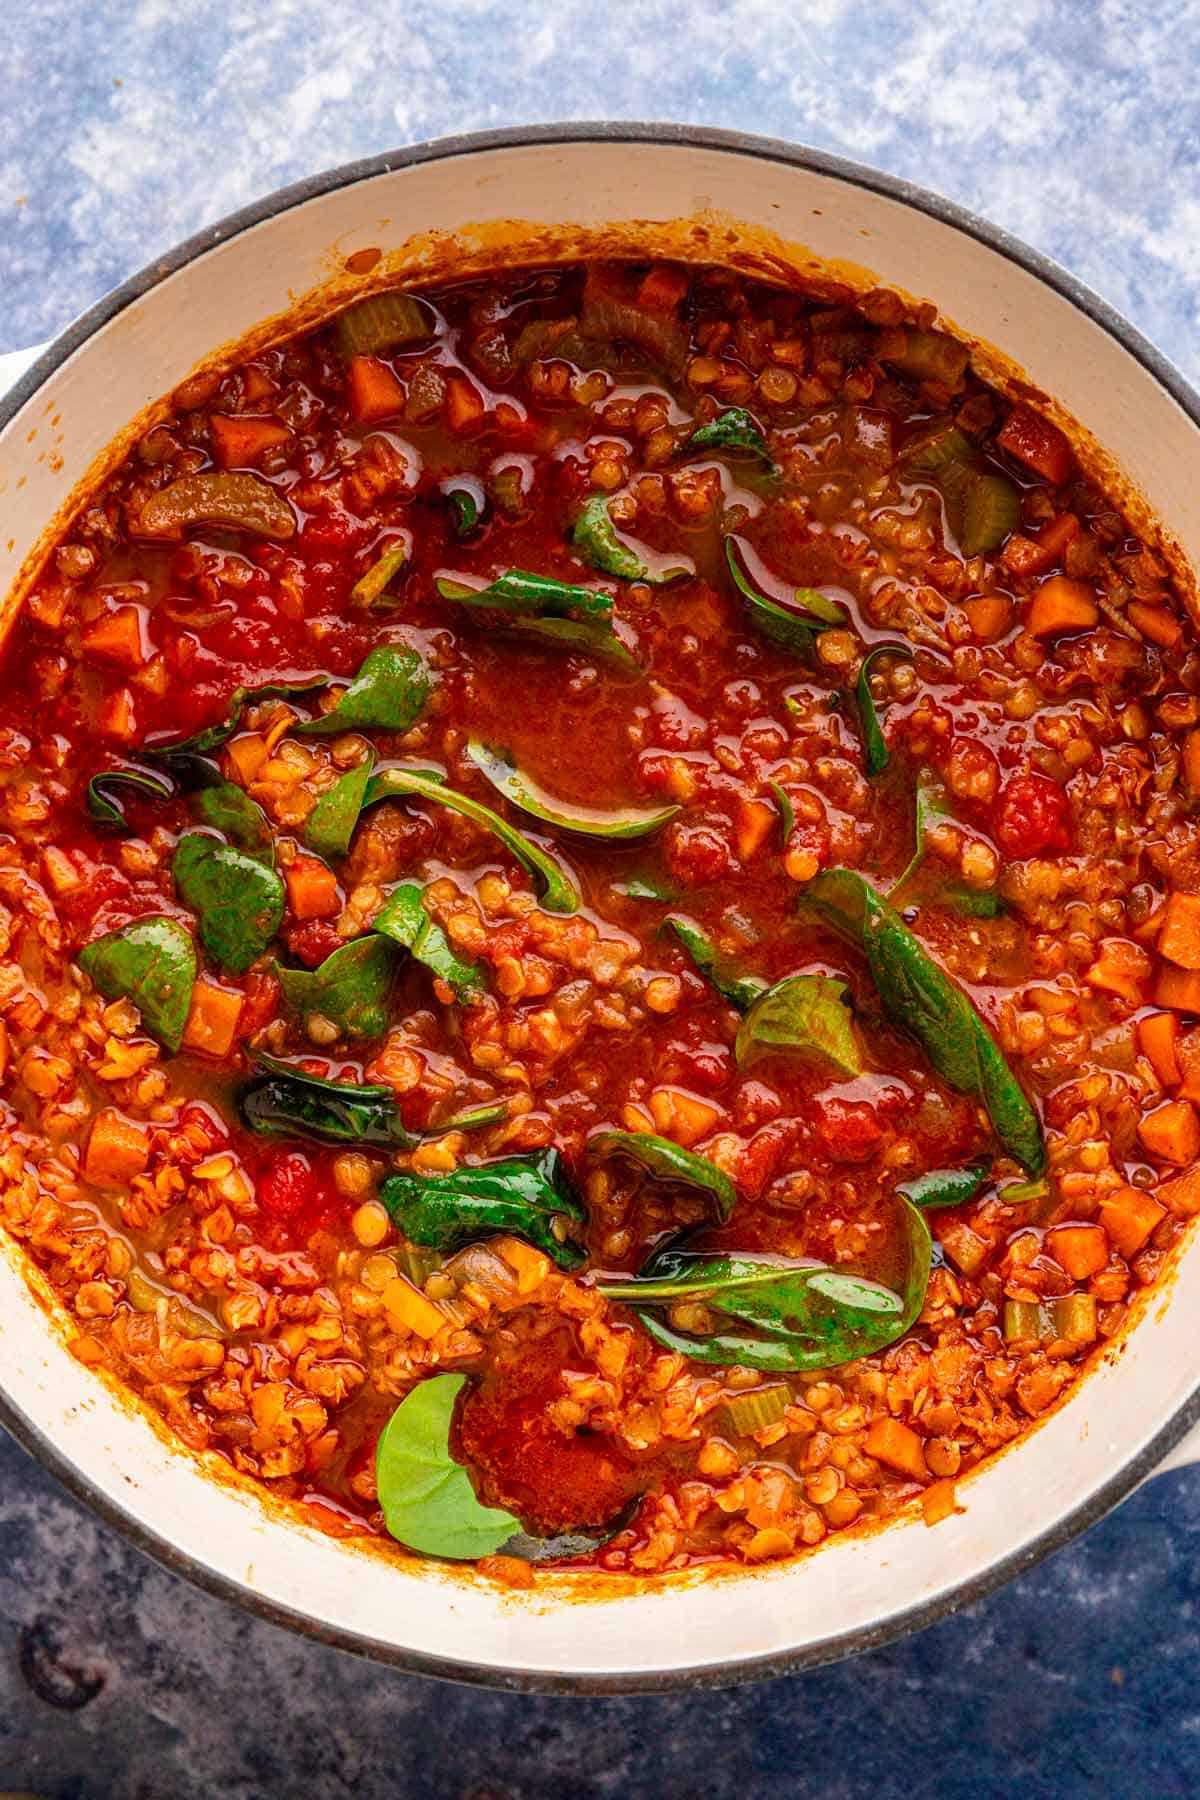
{"x": 1172, "y": 1132}
{"x": 117, "y": 637}
{"x": 373, "y": 390}
{"x": 1060, "y": 606}
{"x": 117, "y": 1150}
{"x": 239, "y": 439}
{"x": 312, "y": 888}
{"x": 212, "y": 1021}
{"x": 1179, "y": 938}
{"x": 1079, "y": 1249}
{"x": 1129, "y": 1216}
{"x": 899, "y": 1446}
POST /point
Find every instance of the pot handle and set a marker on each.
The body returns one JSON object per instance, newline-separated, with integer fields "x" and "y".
{"x": 14, "y": 363}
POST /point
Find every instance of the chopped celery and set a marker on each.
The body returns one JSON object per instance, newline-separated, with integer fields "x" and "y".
{"x": 1074, "y": 1318}
{"x": 1022, "y": 1321}
{"x": 942, "y": 443}
{"x": 370, "y": 587}
{"x": 755, "y": 1410}
{"x": 380, "y": 322}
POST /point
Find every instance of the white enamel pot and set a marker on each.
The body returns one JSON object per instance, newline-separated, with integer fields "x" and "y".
{"x": 435, "y": 209}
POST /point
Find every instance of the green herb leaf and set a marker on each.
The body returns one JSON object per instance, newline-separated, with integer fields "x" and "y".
{"x": 529, "y": 1196}
{"x": 476, "y": 1118}
{"x": 876, "y": 754}
{"x": 404, "y": 919}
{"x": 102, "y": 788}
{"x": 617, "y": 823}
{"x": 213, "y": 736}
{"x": 787, "y": 812}
{"x": 640, "y": 887}
{"x": 807, "y": 1015}
{"x": 919, "y": 997}
{"x": 330, "y": 825}
{"x": 382, "y": 322}
{"x": 660, "y": 1157}
{"x": 572, "y": 618}
{"x": 931, "y": 805}
{"x": 372, "y": 585}
{"x": 596, "y": 538}
{"x": 740, "y": 990}
{"x": 794, "y": 630}
{"x": 427, "y": 1498}
{"x": 975, "y": 903}
{"x": 388, "y": 693}
{"x": 945, "y": 1187}
{"x": 229, "y": 809}
{"x": 286, "y": 1101}
{"x": 238, "y": 902}
{"x": 153, "y": 963}
{"x": 733, "y": 429}
{"x": 559, "y": 894}
{"x": 801, "y": 1316}
{"x": 350, "y": 988}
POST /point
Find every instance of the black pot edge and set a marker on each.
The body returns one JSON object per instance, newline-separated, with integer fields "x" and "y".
{"x": 844, "y": 1644}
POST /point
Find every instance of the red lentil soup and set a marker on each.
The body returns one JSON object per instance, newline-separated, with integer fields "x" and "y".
{"x": 601, "y": 918}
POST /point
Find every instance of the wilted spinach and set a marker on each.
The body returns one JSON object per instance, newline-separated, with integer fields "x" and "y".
{"x": 350, "y": 988}
{"x": 237, "y": 900}
{"x": 807, "y": 1015}
{"x": 228, "y": 808}
{"x": 404, "y": 919}
{"x": 740, "y": 990}
{"x": 153, "y": 963}
{"x": 793, "y": 628}
{"x": 213, "y": 736}
{"x": 945, "y": 1187}
{"x": 876, "y": 754}
{"x": 388, "y": 693}
{"x": 733, "y": 429}
{"x": 618, "y": 823}
{"x": 286, "y": 1101}
{"x": 529, "y": 1196}
{"x": 596, "y": 538}
{"x": 669, "y": 1162}
{"x": 554, "y": 612}
{"x": 103, "y": 789}
{"x": 330, "y": 825}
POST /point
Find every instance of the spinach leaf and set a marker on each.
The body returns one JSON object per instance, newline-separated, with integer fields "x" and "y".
{"x": 733, "y": 429}
{"x": 105, "y": 808}
{"x": 618, "y": 823}
{"x": 388, "y": 693}
{"x": 530, "y": 1196}
{"x": 918, "y": 996}
{"x": 660, "y": 1157}
{"x": 740, "y": 990}
{"x": 371, "y": 586}
{"x": 792, "y": 629}
{"x": 945, "y": 1187}
{"x": 640, "y": 887}
{"x": 801, "y": 1316}
{"x": 787, "y": 812}
{"x": 427, "y": 1498}
{"x": 213, "y": 736}
{"x": 229, "y": 809}
{"x": 573, "y": 618}
{"x": 350, "y": 988}
{"x": 876, "y": 754}
{"x": 975, "y": 903}
{"x": 595, "y": 537}
{"x": 808, "y": 1015}
{"x": 931, "y": 805}
{"x": 559, "y": 894}
{"x": 153, "y": 963}
{"x": 403, "y": 918}
{"x": 476, "y": 1118}
{"x": 286, "y": 1101}
{"x": 330, "y": 825}
{"x": 238, "y": 902}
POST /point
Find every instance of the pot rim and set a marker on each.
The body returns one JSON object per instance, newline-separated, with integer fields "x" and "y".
{"x": 1122, "y": 1482}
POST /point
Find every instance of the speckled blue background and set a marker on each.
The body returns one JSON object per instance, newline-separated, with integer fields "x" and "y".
{"x": 128, "y": 124}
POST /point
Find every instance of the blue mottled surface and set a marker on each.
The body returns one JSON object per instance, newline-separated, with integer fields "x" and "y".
{"x": 127, "y": 125}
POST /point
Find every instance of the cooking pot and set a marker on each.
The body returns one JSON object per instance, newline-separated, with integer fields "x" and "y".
{"x": 473, "y": 202}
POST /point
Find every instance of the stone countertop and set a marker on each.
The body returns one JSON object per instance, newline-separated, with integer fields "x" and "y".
{"x": 131, "y": 123}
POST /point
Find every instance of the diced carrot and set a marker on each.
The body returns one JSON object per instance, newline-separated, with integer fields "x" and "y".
{"x": 256, "y": 384}
{"x": 239, "y": 439}
{"x": 60, "y": 872}
{"x": 1121, "y": 967}
{"x": 1191, "y": 762}
{"x": 312, "y": 888}
{"x": 372, "y": 389}
{"x": 117, "y": 718}
{"x": 464, "y": 404}
{"x": 249, "y": 756}
{"x": 755, "y": 819}
{"x": 48, "y": 604}
{"x": 662, "y": 290}
{"x": 939, "y": 1501}
{"x": 529, "y": 1265}
{"x": 1033, "y": 555}
{"x": 1158, "y": 623}
{"x": 1178, "y": 988}
{"x": 117, "y": 1150}
{"x": 1158, "y": 1036}
{"x": 1181, "y": 1195}
{"x": 1061, "y": 605}
{"x": 681, "y": 1115}
{"x": 1079, "y": 1249}
{"x": 117, "y": 638}
{"x": 1188, "y": 1061}
{"x": 1179, "y": 939}
{"x": 212, "y": 1021}
{"x": 1172, "y": 1132}
{"x": 1129, "y": 1216}
{"x": 1041, "y": 446}
{"x": 899, "y": 1446}
{"x": 408, "y": 1309}
{"x": 989, "y": 616}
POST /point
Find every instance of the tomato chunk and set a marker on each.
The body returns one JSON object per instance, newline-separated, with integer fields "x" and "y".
{"x": 1031, "y": 816}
